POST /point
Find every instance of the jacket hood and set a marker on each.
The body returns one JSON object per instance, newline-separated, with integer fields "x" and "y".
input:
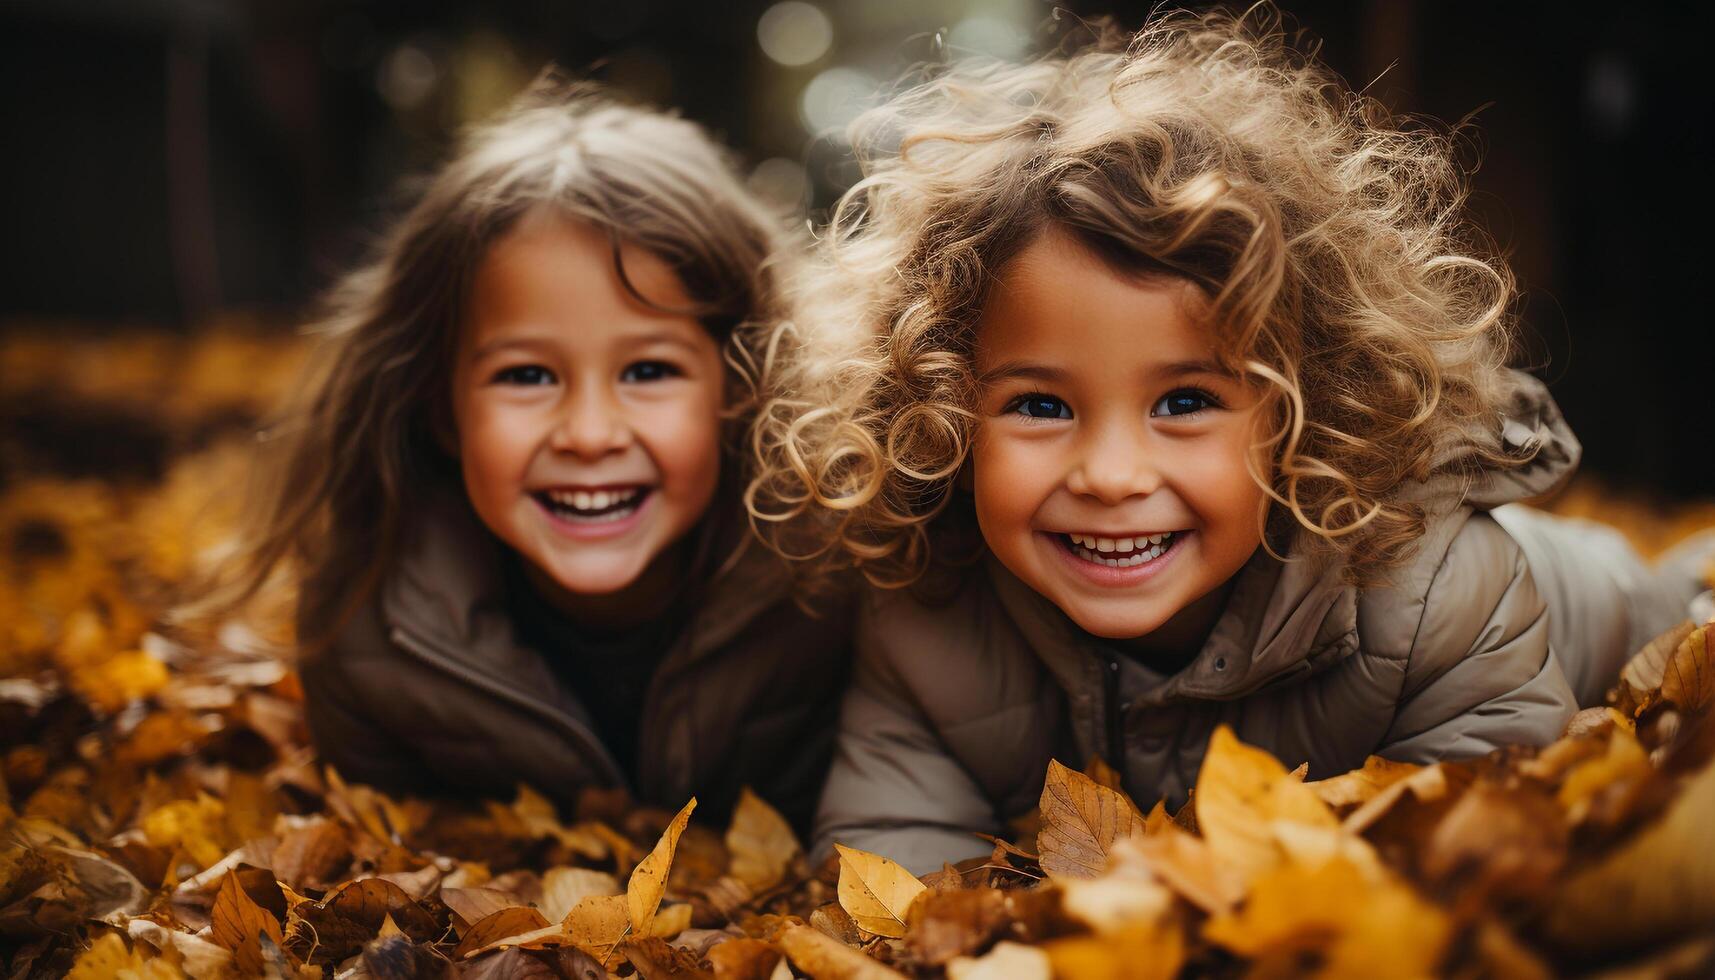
{"x": 1287, "y": 619}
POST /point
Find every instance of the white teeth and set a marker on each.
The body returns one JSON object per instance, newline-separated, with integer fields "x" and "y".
{"x": 1122, "y": 544}
{"x": 601, "y": 498}
{"x": 595, "y": 503}
{"x": 1104, "y": 544}
{"x": 1136, "y": 550}
{"x": 582, "y": 501}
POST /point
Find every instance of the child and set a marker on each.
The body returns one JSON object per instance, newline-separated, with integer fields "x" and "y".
{"x": 1205, "y": 348}
{"x": 511, "y": 491}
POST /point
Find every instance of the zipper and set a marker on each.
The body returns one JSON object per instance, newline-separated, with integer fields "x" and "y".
{"x": 577, "y": 731}
{"x": 1115, "y": 723}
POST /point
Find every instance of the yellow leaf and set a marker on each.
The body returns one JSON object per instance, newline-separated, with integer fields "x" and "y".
{"x": 1241, "y": 792}
{"x": 1006, "y": 961}
{"x": 564, "y": 888}
{"x": 1357, "y": 926}
{"x": 1103, "y": 774}
{"x": 1361, "y": 785}
{"x": 671, "y": 921}
{"x": 1081, "y": 819}
{"x": 818, "y": 955}
{"x": 117, "y": 681}
{"x": 239, "y": 923}
{"x": 498, "y": 927}
{"x": 198, "y": 826}
{"x": 875, "y": 892}
{"x": 107, "y": 959}
{"x": 1689, "y": 681}
{"x": 1187, "y": 865}
{"x": 1137, "y": 954}
{"x": 761, "y": 843}
{"x": 1641, "y": 678}
{"x": 598, "y": 923}
{"x": 1624, "y": 767}
{"x": 649, "y": 880}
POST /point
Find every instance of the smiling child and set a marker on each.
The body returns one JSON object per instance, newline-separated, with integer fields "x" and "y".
{"x": 509, "y": 489}
{"x": 1198, "y": 352}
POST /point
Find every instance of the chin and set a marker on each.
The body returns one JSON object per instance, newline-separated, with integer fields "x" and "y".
{"x": 595, "y": 581}
{"x": 1114, "y": 625}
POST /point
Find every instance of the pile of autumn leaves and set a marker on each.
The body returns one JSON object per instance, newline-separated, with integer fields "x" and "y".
{"x": 164, "y": 817}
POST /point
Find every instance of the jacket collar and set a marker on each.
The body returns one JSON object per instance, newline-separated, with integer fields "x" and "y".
{"x": 447, "y": 588}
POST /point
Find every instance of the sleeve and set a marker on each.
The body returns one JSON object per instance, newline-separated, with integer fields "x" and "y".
{"x": 345, "y": 731}
{"x": 1480, "y": 673}
{"x": 894, "y": 788}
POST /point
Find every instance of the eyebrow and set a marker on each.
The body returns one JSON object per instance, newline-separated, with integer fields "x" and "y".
{"x": 534, "y": 341}
{"x": 1181, "y": 368}
{"x": 1010, "y": 370}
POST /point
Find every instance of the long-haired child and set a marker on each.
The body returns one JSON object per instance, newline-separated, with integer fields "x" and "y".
{"x": 512, "y": 488}
{"x": 1204, "y": 349}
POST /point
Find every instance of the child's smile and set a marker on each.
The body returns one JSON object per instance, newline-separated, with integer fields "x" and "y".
{"x": 1111, "y": 470}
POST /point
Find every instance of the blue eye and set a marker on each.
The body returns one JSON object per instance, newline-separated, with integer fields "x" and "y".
{"x": 524, "y": 374}
{"x": 1185, "y": 401}
{"x": 649, "y": 371}
{"x": 1039, "y": 407}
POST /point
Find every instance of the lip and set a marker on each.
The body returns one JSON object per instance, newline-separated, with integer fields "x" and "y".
{"x": 579, "y": 531}
{"x": 1116, "y": 578}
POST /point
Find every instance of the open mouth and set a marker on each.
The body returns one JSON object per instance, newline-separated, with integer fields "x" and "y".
{"x": 601, "y": 506}
{"x": 1119, "y": 552}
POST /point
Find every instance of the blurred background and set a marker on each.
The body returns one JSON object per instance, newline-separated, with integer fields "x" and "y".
{"x": 173, "y": 165}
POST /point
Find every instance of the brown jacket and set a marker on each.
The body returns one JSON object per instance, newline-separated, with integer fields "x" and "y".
{"x": 426, "y": 690}
{"x": 1491, "y": 634}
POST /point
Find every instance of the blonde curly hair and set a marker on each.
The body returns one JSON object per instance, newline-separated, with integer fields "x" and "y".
{"x": 1342, "y": 276}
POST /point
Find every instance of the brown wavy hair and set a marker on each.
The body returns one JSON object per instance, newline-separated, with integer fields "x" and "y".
{"x": 1329, "y": 238}
{"x": 357, "y": 453}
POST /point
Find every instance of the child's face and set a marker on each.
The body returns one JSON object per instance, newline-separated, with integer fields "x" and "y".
{"x": 588, "y": 424}
{"x": 1107, "y": 423}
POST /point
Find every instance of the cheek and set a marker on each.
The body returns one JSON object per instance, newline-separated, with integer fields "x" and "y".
{"x": 1007, "y": 483}
{"x": 495, "y": 444}
{"x": 684, "y": 439}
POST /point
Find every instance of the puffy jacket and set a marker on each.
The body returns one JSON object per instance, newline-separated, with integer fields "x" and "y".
{"x": 425, "y": 689}
{"x": 1501, "y": 623}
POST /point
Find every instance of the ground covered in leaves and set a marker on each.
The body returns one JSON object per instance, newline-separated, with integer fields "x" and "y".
{"x": 163, "y": 816}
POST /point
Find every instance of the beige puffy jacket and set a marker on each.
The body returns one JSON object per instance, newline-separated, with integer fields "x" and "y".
{"x": 426, "y": 689}
{"x": 1500, "y": 625}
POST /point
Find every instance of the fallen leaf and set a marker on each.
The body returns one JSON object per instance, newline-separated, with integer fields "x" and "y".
{"x": 239, "y": 921}
{"x": 353, "y": 914}
{"x": 655, "y": 959}
{"x": 564, "y": 888}
{"x": 1081, "y": 819}
{"x": 1657, "y": 885}
{"x": 472, "y": 905}
{"x": 312, "y": 855}
{"x": 649, "y": 879}
{"x": 828, "y": 959}
{"x": 671, "y": 920}
{"x": 943, "y": 925}
{"x": 598, "y": 923}
{"x": 761, "y": 843}
{"x": 108, "y": 958}
{"x": 1103, "y": 774}
{"x": 1689, "y": 680}
{"x": 743, "y": 958}
{"x": 1641, "y": 678}
{"x": 1187, "y": 865}
{"x": 496, "y": 927}
{"x": 876, "y": 892}
{"x": 1242, "y": 792}
{"x": 1355, "y": 927}
{"x": 1361, "y": 785}
{"x": 1006, "y": 961}
{"x": 1139, "y": 954}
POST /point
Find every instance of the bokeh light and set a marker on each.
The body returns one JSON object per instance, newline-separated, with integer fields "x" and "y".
{"x": 780, "y": 182}
{"x": 407, "y": 76}
{"x": 988, "y": 35}
{"x": 834, "y": 98}
{"x": 794, "y": 33}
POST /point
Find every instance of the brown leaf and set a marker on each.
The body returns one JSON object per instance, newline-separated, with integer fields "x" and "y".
{"x": 825, "y": 958}
{"x": 1103, "y": 774}
{"x": 832, "y": 921}
{"x": 743, "y": 958}
{"x": 649, "y": 881}
{"x": 472, "y": 905}
{"x": 942, "y": 925}
{"x": 1498, "y": 842}
{"x": 313, "y": 855}
{"x": 1190, "y": 867}
{"x": 239, "y": 921}
{"x": 564, "y": 888}
{"x": 1361, "y": 785}
{"x": 655, "y": 959}
{"x": 1081, "y": 819}
{"x": 875, "y": 892}
{"x": 761, "y": 843}
{"x": 512, "y": 964}
{"x": 1689, "y": 680}
{"x": 504, "y": 924}
{"x": 338, "y": 926}
{"x": 1658, "y": 885}
{"x": 397, "y": 958}
{"x": 1641, "y": 678}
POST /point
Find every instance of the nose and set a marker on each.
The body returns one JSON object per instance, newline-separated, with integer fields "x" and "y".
{"x": 1114, "y": 462}
{"x": 592, "y": 424}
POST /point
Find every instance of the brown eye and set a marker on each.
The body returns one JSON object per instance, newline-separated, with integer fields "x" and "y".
{"x": 524, "y": 374}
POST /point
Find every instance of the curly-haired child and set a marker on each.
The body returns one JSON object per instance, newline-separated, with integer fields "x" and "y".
{"x": 512, "y": 487}
{"x": 1204, "y": 347}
